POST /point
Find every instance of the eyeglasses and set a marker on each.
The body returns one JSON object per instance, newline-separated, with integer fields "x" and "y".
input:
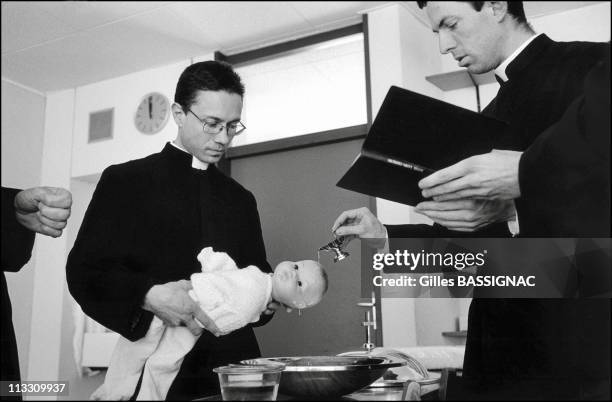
{"x": 214, "y": 127}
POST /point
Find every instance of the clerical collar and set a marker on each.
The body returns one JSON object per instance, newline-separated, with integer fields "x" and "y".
{"x": 195, "y": 162}
{"x": 500, "y": 71}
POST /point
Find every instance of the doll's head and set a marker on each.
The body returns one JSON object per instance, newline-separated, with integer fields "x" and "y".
{"x": 299, "y": 284}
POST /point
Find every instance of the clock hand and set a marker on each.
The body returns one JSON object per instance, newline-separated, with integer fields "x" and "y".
{"x": 150, "y": 108}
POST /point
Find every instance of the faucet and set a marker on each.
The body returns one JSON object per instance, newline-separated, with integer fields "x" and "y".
{"x": 369, "y": 323}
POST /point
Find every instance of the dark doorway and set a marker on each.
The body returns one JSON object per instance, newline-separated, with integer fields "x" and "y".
{"x": 298, "y": 201}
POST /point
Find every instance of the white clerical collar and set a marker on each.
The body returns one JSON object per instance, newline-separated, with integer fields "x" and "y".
{"x": 500, "y": 71}
{"x": 195, "y": 162}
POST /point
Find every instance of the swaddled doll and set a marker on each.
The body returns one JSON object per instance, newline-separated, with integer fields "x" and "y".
{"x": 230, "y": 297}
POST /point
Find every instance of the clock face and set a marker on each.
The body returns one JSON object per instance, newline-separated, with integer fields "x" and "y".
{"x": 152, "y": 113}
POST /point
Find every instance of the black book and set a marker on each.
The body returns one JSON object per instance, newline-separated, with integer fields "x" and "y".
{"x": 411, "y": 137}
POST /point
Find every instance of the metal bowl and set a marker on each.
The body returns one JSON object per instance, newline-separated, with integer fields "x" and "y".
{"x": 327, "y": 376}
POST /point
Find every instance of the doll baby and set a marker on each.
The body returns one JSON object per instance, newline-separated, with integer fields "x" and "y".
{"x": 231, "y": 297}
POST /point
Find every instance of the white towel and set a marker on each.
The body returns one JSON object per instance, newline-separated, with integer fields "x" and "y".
{"x": 126, "y": 364}
{"x": 231, "y": 297}
{"x": 163, "y": 365}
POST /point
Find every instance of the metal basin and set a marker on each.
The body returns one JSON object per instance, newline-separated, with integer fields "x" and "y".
{"x": 327, "y": 376}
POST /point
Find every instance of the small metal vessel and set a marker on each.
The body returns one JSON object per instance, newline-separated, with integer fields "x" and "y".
{"x": 335, "y": 246}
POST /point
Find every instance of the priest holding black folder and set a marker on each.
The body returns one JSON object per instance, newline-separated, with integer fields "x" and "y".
{"x": 516, "y": 348}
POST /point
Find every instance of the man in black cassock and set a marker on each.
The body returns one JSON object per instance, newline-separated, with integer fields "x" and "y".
{"x": 562, "y": 179}
{"x": 43, "y": 210}
{"x": 149, "y": 218}
{"x": 563, "y": 182}
{"x": 515, "y": 348}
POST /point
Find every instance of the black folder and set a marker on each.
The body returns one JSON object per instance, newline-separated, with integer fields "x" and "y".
{"x": 412, "y": 136}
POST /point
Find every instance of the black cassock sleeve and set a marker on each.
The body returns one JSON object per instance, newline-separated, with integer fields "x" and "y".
{"x": 564, "y": 175}
{"x": 17, "y": 241}
{"x": 100, "y": 277}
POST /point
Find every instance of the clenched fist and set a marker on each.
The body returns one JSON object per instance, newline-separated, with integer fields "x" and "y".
{"x": 44, "y": 210}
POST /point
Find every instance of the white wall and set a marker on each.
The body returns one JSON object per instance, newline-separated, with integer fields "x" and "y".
{"x": 23, "y": 115}
{"x": 123, "y": 94}
{"x": 50, "y": 253}
{"x": 590, "y": 23}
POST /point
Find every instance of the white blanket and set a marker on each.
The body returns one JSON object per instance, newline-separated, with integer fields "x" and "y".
{"x": 231, "y": 297}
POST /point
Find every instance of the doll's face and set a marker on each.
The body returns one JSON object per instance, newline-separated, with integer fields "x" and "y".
{"x": 299, "y": 284}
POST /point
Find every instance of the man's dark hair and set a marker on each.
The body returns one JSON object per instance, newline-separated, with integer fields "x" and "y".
{"x": 515, "y": 8}
{"x": 206, "y": 76}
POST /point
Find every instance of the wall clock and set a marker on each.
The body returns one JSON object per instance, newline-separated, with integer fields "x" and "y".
{"x": 152, "y": 113}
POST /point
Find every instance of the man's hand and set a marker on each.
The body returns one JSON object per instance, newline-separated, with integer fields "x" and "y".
{"x": 273, "y": 306}
{"x": 467, "y": 215}
{"x": 492, "y": 176}
{"x": 360, "y": 223}
{"x": 43, "y": 210}
{"x": 173, "y": 305}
